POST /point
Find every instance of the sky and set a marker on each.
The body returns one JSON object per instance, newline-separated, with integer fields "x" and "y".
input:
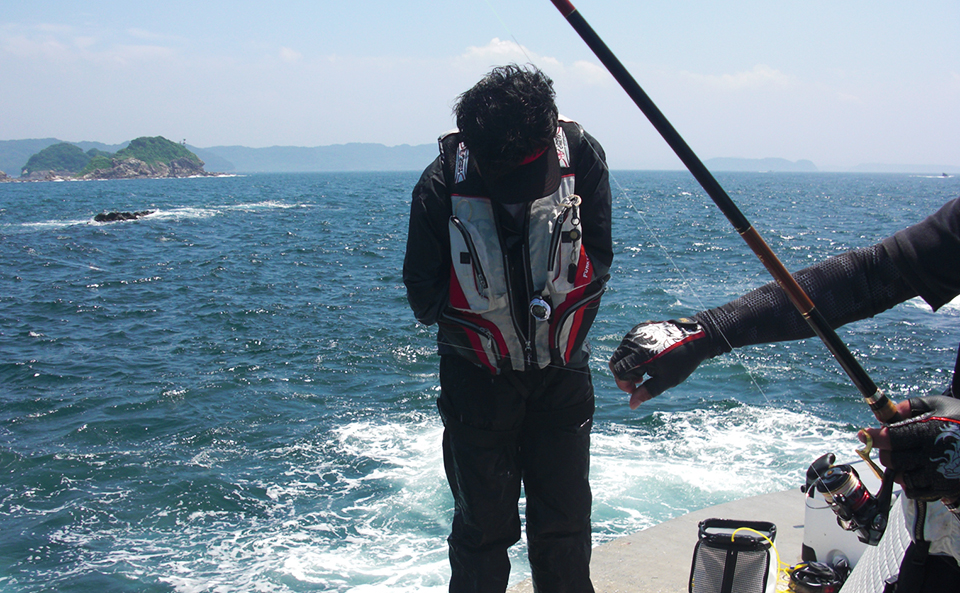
{"x": 839, "y": 82}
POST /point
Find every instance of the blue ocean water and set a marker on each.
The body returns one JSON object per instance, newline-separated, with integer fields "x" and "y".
{"x": 231, "y": 394}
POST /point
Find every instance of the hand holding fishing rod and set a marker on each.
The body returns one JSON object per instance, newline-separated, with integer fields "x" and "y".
{"x": 882, "y": 407}
{"x": 930, "y": 433}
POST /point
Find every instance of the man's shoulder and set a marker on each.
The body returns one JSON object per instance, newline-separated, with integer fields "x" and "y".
{"x": 570, "y": 127}
{"x": 431, "y": 184}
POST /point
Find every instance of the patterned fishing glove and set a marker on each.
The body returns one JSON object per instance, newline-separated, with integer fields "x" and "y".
{"x": 926, "y": 448}
{"x": 667, "y": 351}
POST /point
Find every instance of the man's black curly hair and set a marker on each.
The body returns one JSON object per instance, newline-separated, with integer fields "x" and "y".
{"x": 507, "y": 116}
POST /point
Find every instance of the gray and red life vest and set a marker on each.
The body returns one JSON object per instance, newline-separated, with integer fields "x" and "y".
{"x": 486, "y": 321}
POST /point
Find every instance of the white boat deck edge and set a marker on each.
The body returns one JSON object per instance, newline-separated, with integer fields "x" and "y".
{"x": 658, "y": 559}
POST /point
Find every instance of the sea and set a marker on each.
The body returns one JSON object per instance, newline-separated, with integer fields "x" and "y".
{"x": 231, "y": 393}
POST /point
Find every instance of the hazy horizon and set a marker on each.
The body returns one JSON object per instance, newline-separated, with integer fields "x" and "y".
{"x": 839, "y": 85}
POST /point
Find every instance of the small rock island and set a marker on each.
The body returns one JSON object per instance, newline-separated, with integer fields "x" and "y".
{"x": 143, "y": 158}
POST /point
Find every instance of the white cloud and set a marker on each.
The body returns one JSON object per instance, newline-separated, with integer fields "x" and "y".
{"x": 85, "y": 41}
{"x": 25, "y": 48}
{"x": 848, "y": 98}
{"x": 144, "y": 34}
{"x": 129, "y": 54}
{"x": 53, "y": 28}
{"x": 290, "y": 55}
{"x": 50, "y": 44}
{"x": 762, "y": 76}
{"x": 590, "y": 73}
{"x": 498, "y": 52}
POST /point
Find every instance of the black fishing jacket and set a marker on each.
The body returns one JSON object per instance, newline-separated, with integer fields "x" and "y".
{"x": 927, "y": 255}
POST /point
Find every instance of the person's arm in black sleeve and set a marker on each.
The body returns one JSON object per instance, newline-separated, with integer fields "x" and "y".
{"x": 921, "y": 260}
{"x": 849, "y": 287}
{"x": 928, "y": 254}
{"x": 426, "y": 264}
{"x": 845, "y": 288}
{"x": 922, "y": 449}
{"x": 593, "y": 187}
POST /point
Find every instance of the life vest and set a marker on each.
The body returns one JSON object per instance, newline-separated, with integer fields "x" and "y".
{"x": 483, "y": 321}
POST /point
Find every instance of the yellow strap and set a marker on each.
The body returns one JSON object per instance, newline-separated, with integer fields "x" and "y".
{"x": 782, "y": 567}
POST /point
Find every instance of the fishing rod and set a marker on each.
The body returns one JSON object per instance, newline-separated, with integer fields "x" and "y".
{"x": 884, "y": 409}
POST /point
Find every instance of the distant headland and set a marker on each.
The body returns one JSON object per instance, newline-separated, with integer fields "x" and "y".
{"x": 15, "y": 156}
{"x": 335, "y": 158}
{"x": 142, "y": 158}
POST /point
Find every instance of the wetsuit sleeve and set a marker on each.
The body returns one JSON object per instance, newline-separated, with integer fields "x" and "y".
{"x": 426, "y": 263}
{"x": 928, "y": 255}
{"x": 848, "y": 287}
{"x": 593, "y": 187}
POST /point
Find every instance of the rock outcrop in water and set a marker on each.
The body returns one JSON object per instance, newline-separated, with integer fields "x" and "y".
{"x": 119, "y": 216}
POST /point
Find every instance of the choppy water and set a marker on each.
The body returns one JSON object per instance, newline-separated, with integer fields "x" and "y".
{"x": 232, "y": 395}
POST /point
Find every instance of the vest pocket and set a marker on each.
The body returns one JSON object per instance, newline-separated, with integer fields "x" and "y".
{"x": 477, "y": 340}
{"x": 574, "y": 316}
{"x": 467, "y": 260}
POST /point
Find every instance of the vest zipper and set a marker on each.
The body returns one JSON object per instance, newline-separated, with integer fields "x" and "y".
{"x": 918, "y": 534}
{"x": 556, "y": 238}
{"x": 571, "y": 206}
{"x": 472, "y": 250}
{"x": 531, "y": 333}
{"x": 529, "y": 355}
{"x": 529, "y": 352}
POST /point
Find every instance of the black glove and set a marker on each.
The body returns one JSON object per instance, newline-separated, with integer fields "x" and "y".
{"x": 925, "y": 449}
{"x": 668, "y": 351}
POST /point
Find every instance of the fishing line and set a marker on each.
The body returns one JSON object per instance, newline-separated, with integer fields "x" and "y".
{"x": 509, "y": 32}
{"x": 881, "y": 406}
{"x": 666, "y": 253}
{"x": 623, "y": 193}
{"x": 34, "y": 253}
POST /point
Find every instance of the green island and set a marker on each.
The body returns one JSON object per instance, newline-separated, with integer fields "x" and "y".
{"x": 144, "y": 157}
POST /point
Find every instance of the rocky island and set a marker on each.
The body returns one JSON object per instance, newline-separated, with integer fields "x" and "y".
{"x": 143, "y": 158}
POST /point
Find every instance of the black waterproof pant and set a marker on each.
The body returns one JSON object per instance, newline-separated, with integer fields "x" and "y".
{"x": 923, "y": 573}
{"x": 531, "y": 427}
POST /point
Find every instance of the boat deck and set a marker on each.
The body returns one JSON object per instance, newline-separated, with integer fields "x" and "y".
{"x": 658, "y": 559}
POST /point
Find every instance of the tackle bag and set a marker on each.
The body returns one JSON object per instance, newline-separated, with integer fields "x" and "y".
{"x": 731, "y": 556}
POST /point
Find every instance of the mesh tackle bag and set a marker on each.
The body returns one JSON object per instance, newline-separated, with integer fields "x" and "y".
{"x": 733, "y": 556}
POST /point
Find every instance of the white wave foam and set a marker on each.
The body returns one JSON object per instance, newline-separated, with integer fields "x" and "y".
{"x": 918, "y": 303}
{"x": 265, "y": 205}
{"x": 952, "y": 306}
{"x": 183, "y": 213}
{"x": 54, "y": 224}
{"x": 372, "y": 534}
{"x": 641, "y": 477}
{"x": 167, "y": 214}
{"x": 365, "y": 507}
